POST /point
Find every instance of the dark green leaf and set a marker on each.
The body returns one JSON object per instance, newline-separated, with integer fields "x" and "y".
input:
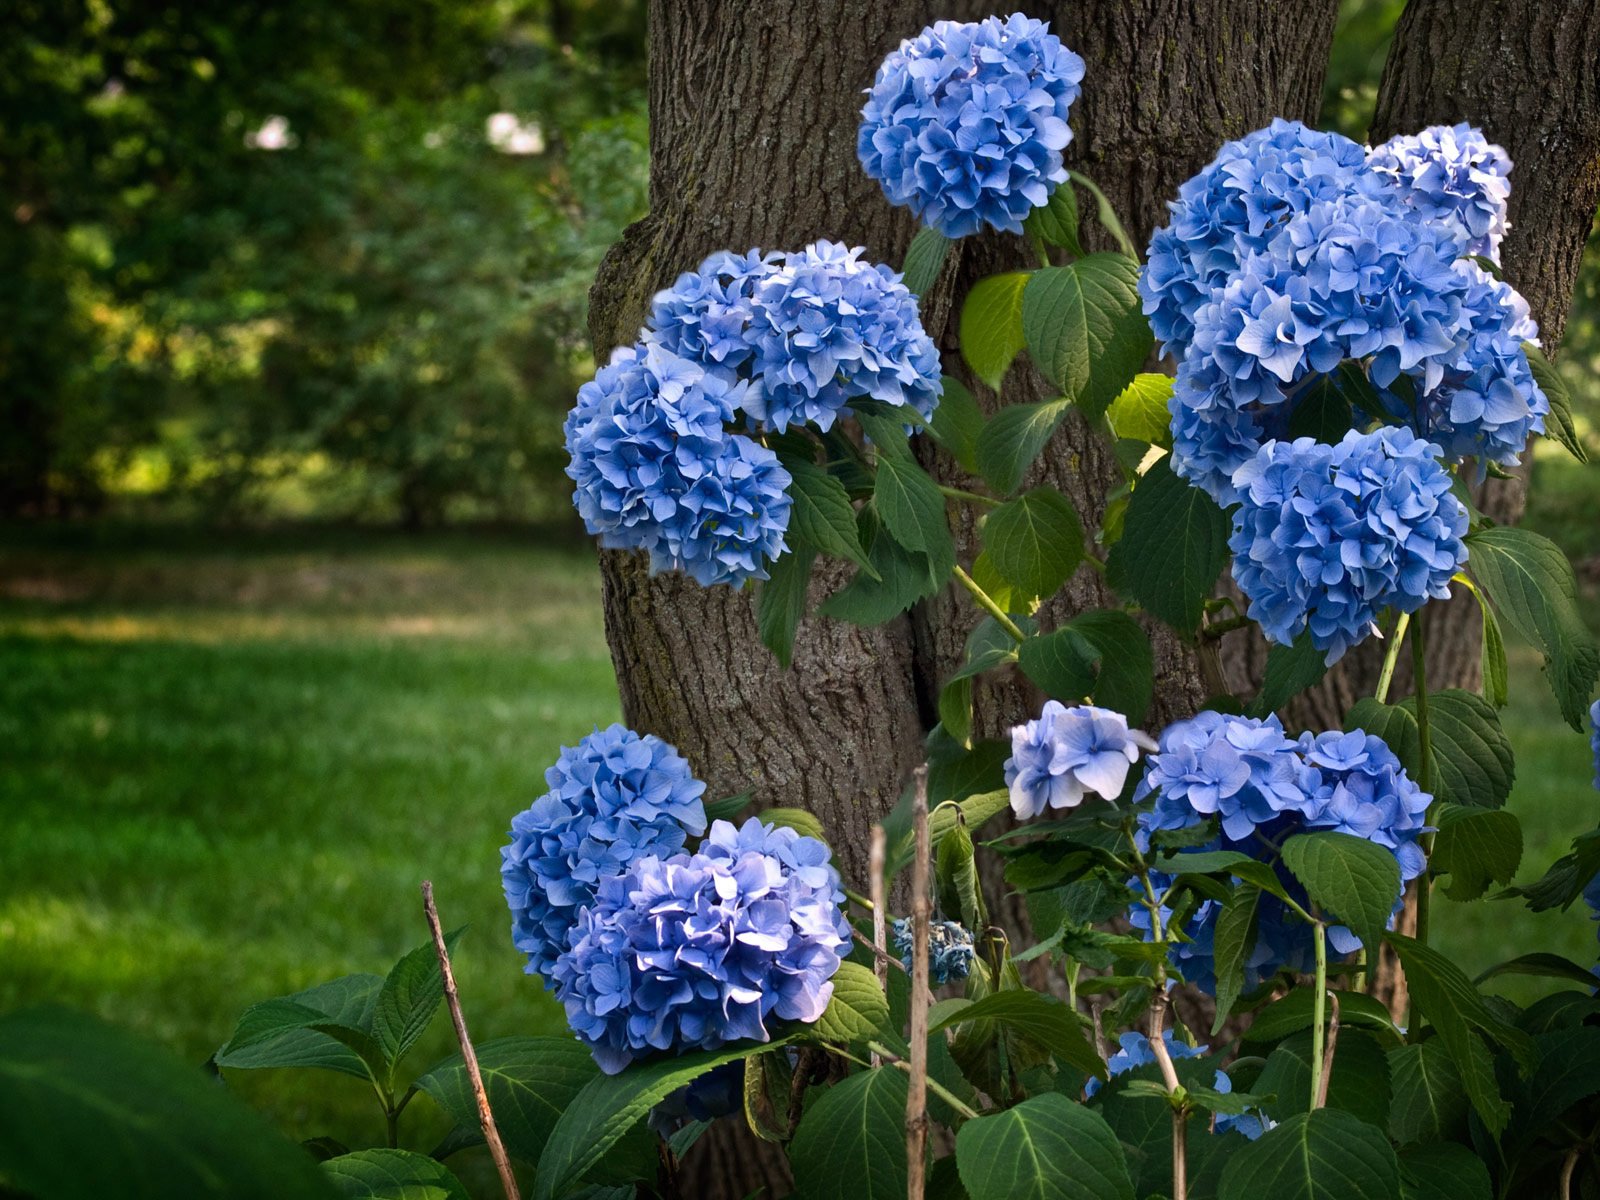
{"x": 87, "y": 1110}
{"x": 1056, "y": 220}
{"x": 1473, "y": 762}
{"x": 991, "y": 325}
{"x": 274, "y": 1033}
{"x": 392, "y": 1175}
{"x": 858, "y": 1009}
{"x": 1140, "y": 412}
{"x": 1492, "y": 656}
{"x": 1234, "y": 941}
{"x": 1475, "y": 847}
{"x": 408, "y": 1000}
{"x": 903, "y": 578}
{"x": 1322, "y": 1155}
{"x": 957, "y": 424}
{"x": 1530, "y": 583}
{"x": 1395, "y": 724}
{"x": 781, "y": 601}
{"x": 1035, "y": 541}
{"x": 1443, "y": 1172}
{"x": 822, "y": 517}
{"x": 1359, "y": 1084}
{"x": 1013, "y": 438}
{"x": 1355, "y": 880}
{"x": 1127, "y": 665}
{"x": 1174, "y": 545}
{"x": 1322, "y": 412}
{"x": 924, "y": 258}
{"x": 1046, "y": 1148}
{"x": 1542, "y": 965}
{"x": 1041, "y": 1018}
{"x": 1568, "y": 1072}
{"x": 960, "y": 892}
{"x": 852, "y": 1140}
{"x": 1083, "y": 326}
{"x": 912, "y": 508}
{"x": 1430, "y": 1103}
{"x": 1062, "y": 663}
{"x": 1294, "y": 1013}
{"x": 1560, "y": 424}
{"x": 1290, "y": 671}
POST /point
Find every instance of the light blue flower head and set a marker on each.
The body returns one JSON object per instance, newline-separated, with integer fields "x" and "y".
{"x": 1327, "y": 537}
{"x": 1135, "y": 1052}
{"x": 1453, "y": 176}
{"x": 966, "y": 123}
{"x": 694, "y": 951}
{"x": 1067, "y": 753}
{"x": 1363, "y": 790}
{"x": 614, "y": 798}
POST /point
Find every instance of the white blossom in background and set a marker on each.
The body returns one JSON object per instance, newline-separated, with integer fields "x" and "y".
{"x": 509, "y": 135}
{"x": 274, "y": 134}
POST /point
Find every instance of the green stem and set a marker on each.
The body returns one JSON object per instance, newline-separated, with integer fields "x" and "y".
{"x": 1419, "y": 672}
{"x": 987, "y": 603}
{"x": 858, "y": 898}
{"x": 1216, "y": 629}
{"x": 956, "y": 493}
{"x": 1107, "y": 214}
{"x": 1041, "y": 250}
{"x": 1386, "y": 676}
{"x": 1319, "y": 1014}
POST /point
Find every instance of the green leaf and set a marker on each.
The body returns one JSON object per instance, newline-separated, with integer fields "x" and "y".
{"x": 1429, "y": 1101}
{"x": 274, "y": 1033}
{"x": 781, "y": 601}
{"x": 1036, "y": 1016}
{"x": 1349, "y": 877}
{"x": 852, "y": 1140}
{"x": 975, "y": 812}
{"x": 1013, "y": 438}
{"x": 1213, "y": 862}
{"x": 1321, "y": 1155}
{"x": 858, "y": 1009}
{"x": 902, "y": 578}
{"x": 1448, "y": 999}
{"x": 1568, "y": 1073}
{"x": 392, "y": 1175}
{"x": 408, "y": 1000}
{"x": 88, "y": 1110}
{"x": 912, "y": 508}
{"x": 1141, "y": 413}
{"x": 1294, "y": 1012}
{"x": 806, "y": 824}
{"x": 1443, "y": 1172}
{"x": 1358, "y": 1085}
{"x": 960, "y": 892}
{"x": 1056, "y": 220}
{"x": 1475, "y": 847}
{"x": 1322, "y": 412}
{"x": 1542, "y": 965}
{"x": 1395, "y": 725}
{"x": 1083, "y": 326}
{"x": 1234, "y": 940}
{"x": 529, "y": 1080}
{"x": 1035, "y": 541}
{"x": 1046, "y": 1148}
{"x": 611, "y": 1105}
{"x": 924, "y": 259}
{"x": 957, "y": 424}
{"x": 991, "y": 325}
{"x": 1472, "y": 758}
{"x": 1290, "y": 671}
{"x": 1174, "y": 545}
{"x": 821, "y": 517}
{"x": 1492, "y": 656}
{"x": 1530, "y": 583}
{"x": 1062, "y": 663}
{"x": 1560, "y": 424}
{"x": 1125, "y": 681}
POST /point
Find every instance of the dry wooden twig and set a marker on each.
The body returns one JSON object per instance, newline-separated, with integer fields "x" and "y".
{"x": 921, "y": 917}
{"x": 880, "y": 917}
{"x": 1321, "y": 1098}
{"x": 452, "y": 998}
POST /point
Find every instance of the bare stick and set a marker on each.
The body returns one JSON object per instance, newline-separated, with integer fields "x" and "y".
{"x": 1169, "y": 1076}
{"x": 880, "y": 917}
{"x": 921, "y": 916}
{"x": 1321, "y": 1097}
{"x": 491, "y": 1133}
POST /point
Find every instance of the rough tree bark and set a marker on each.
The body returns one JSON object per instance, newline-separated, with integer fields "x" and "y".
{"x": 753, "y": 117}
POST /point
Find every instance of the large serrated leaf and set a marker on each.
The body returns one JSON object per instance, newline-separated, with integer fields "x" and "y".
{"x": 1046, "y": 1148}
{"x": 1234, "y": 942}
{"x": 958, "y": 423}
{"x": 1353, "y": 879}
{"x": 280, "y": 1033}
{"x": 1174, "y": 544}
{"x": 1083, "y": 326}
{"x": 902, "y": 578}
{"x": 408, "y": 1000}
{"x": 924, "y": 259}
{"x": 1429, "y": 1101}
{"x": 1140, "y": 411}
{"x": 991, "y": 325}
{"x": 1038, "y": 1017}
{"x": 1290, "y": 671}
{"x": 1013, "y": 438}
{"x": 913, "y": 510}
{"x": 781, "y": 601}
{"x": 1358, "y": 1083}
{"x": 392, "y": 1175}
{"x": 1056, "y": 220}
{"x": 1321, "y": 1155}
{"x": 1035, "y": 541}
{"x": 852, "y": 1140}
{"x": 1443, "y": 1172}
{"x": 1472, "y": 759}
{"x": 821, "y": 516}
{"x": 1560, "y": 424}
{"x": 857, "y": 1010}
{"x": 1475, "y": 847}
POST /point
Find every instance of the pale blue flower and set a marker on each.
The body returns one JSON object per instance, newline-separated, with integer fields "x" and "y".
{"x": 1135, "y": 1052}
{"x": 1067, "y": 753}
{"x": 1453, "y": 176}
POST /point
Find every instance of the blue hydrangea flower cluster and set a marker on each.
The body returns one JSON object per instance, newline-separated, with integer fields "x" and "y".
{"x": 1135, "y": 1052}
{"x": 717, "y": 1093}
{"x": 1066, "y": 753}
{"x": 657, "y": 470}
{"x": 966, "y": 123}
{"x": 1291, "y": 254}
{"x": 1343, "y": 782}
{"x": 694, "y": 951}
{"x": 807, "y": 332}
{"x": 1452, "y": 175}
{"x": 1594, "y": 739}
{"x": 614, "y": 798}
{"x": 1327, "y": 537}
{"x": 950, "y": 948}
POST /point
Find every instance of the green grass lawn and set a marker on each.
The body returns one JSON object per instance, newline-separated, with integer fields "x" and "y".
{"x": 229, "y": 761}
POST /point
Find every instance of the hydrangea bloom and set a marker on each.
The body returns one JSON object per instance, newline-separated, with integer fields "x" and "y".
{"x": 717, "y": 1093}
{"x": 1363, "y": 790}
{"x": 950, "y": 949}
{"x": 1241, "y": 769}
{"x": 965, "y": 124}
{"x": 614, "y": 798}
{"x": 810, "y": 332}
{"x": 1326, "y": 537}
{"x": 656, "y": 469}
{"x": 1068, "y": 752}
{"x": 1135, "y": 1052}
{"x": 1594, "y": 739}
{"x": 1454, "y": 176}
{"x": 697, "y": 950}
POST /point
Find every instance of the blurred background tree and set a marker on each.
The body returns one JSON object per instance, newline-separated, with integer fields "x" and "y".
{"x": 319, "y": 259}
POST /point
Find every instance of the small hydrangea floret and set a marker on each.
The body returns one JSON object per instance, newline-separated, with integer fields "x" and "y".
{"x": 1454, "y": 176}
{"x": 1066, "y": 753}
{"x": 965, "y": 124}
{"x": 614, "y": 798}
{"x": 1134, "y": 1051}
{"x": 950, "y": 948}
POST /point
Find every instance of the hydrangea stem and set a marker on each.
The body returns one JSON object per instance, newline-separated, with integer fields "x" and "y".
{"x": 956, "y": 493}
{"x": 987, "y": 603}
{"x": 1419, "y": 673}
{"x": 921, "y": 914}
{"x": 1319, "y": 1016}
{"x": 1386, "y": 676}
{"x": 1169, "y": 1076}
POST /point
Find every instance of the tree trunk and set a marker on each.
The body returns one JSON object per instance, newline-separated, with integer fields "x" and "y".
{"x": 1528, "y": 73}
{"x": 754, "y": 108}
